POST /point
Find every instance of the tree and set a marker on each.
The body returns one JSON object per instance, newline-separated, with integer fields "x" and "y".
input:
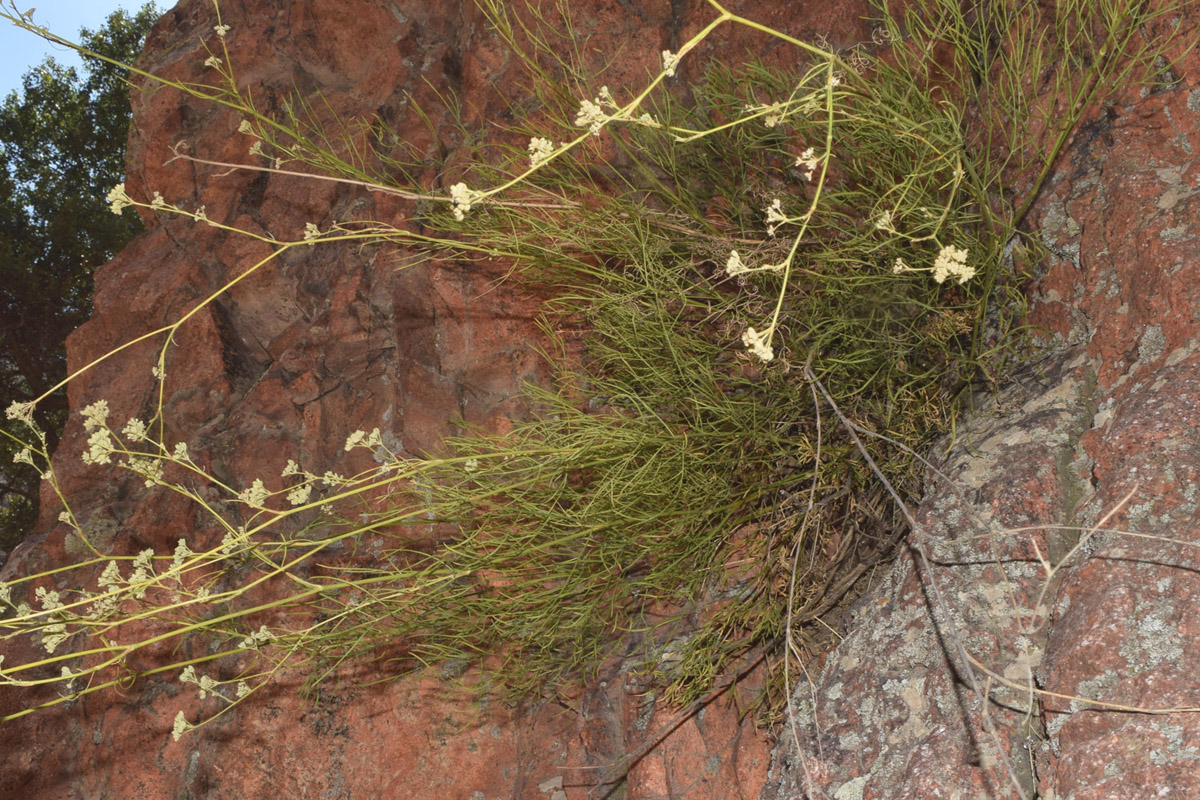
{"x": 62, "y": 147}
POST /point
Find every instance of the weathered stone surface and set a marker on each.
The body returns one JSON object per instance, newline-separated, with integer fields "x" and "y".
{"x": 894, "y": 714}
{"x": 1111, "y": 412}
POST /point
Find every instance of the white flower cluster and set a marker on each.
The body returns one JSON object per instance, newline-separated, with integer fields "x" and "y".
{"x": 68, "y": 679}
{"x": 670, "y": 62}
{"x": 300, "y": 494}
{"x": 256, "y": 495}
{"x": 540, "y": 151}
{"x": 100, "y": 448}
{"x": 182, "y": 553}
{"x": 257, "y": 638}
{"x": 55, "y": 633}
{"x": 774, "y": 115}
{"x": 232, "y": 539}
{"x": 148, "y": 467}
{"x": 134, "y": 430}
{"x": 808, "y": 159}
{"x": 118, "y": 201}
{"x": 775, "y": 216}
{"x": 311, "y": 233}
{"x": 363, "y": 439}
{"x": 205, "y": 683}
{"x": 20, "y": 411}
{"x": 759, "y": 343}
{"x": 111, "y": 578}
{"x": 113, "y": 586}
{"x": 100, "y": 443}
{"x": 952, "y": 261}
{"x": 735, "y": 266}
{"x": 591, "y": 116}
{"x": 95, "y": 415}
{"x": 143, "y": 573}
{"x": 180, "y": 727}
{"x": 462, "y": 198}
{"x": 110, "y": 583}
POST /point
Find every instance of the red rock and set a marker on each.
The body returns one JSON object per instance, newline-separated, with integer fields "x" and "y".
{"x": 309, "y": 346}
{"x": 329, "y": 339}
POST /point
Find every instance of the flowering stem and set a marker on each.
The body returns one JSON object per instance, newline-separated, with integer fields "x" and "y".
{"x": 787, "y": 264}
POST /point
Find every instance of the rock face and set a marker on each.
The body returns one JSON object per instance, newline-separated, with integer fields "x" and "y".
{"x": 322, "y": 342}
{"x": 334, "y": 339}
{"x": 1100, "y": 432}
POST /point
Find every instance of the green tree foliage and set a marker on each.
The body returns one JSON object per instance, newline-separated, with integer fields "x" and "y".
{"x": 62, "y": 147}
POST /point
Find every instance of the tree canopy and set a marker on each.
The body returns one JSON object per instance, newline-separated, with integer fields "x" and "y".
{"x": 62, "y": 147}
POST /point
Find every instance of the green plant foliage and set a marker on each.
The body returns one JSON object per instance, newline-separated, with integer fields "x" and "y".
{"x": 734, "y": 249}
{"x": 62, "y": 146}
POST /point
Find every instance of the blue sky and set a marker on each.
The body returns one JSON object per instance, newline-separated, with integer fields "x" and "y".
{"x": 20, "y": 50}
